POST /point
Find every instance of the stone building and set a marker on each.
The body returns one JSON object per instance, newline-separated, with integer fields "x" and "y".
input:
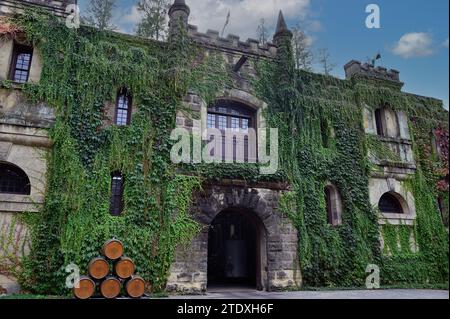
{"x": 246, "y": 239}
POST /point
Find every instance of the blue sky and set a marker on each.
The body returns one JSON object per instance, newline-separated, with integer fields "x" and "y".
{"x": 413, "y": 37}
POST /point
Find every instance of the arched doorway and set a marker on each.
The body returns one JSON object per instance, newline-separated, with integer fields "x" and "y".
{"x": 236, "y": 245}
{"x": 277, "y": 265}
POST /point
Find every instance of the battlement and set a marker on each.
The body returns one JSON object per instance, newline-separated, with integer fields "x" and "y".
{"x": 354, "y": 67}
{"x": 57, "y": 7}
{"x": 232, "y": 42}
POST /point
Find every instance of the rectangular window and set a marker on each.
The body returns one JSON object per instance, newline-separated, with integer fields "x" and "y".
{"x": 245, "y": 125}
{"x": 237, "y": 119}
{"x": 123, "y": 109}
{"x": 222, "y": 125}
{"x": 235, "y": 124}
{"x": 116, "y": 206}
{"x": 21, "y": 63}
{"x": 211, "y": 121}
{"x": 379, "y": 121}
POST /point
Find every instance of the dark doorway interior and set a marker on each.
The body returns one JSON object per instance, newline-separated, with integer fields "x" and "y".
{"x": 232, "y": 251}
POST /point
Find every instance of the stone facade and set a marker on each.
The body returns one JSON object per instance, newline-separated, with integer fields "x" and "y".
{"x": 6, "y": 47}
{"x": 389, "y": 174}
{"x": 24, "y": 143}
{"x": 57, "y": 7}
{"x": 23, "y": 135}
{"x": 279, "y": 268}
{"x": 353, "y": 68}
{"x": 278, "y": 258}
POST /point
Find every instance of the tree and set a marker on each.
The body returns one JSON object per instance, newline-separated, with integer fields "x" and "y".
{"x": 153, "y": 22}
{"x": 301, "y": 47}
{"x": 325, "y": 62}
{"x": 99, "y": 14}
{"x": 262, "y": 32}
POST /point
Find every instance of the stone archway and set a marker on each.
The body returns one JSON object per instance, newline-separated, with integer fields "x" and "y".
{"x": 279, "y": 257}
{"x": 237, "y": 250}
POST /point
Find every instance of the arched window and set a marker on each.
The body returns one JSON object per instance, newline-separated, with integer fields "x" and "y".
{"x": 13, "y": 180}
{"x": 123, "y": 108}
{"x": 333, "y": 205}
{"x": 116, "y": 202}
{"x": 390, "y": 204}
{"x": 237, "y": 118}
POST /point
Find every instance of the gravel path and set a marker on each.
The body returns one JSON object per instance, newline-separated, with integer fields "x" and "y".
{"x": 342, "y": 294}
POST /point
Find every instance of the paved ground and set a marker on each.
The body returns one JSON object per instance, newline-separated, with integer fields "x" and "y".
{"x": 344, "y": 294}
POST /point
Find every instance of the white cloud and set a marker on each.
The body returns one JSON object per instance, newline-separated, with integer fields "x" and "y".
{"x": 416, "y": 44}
{"x": 445, "y": 43}
{"x": 131, "y": 16}
{"x": 245, "y": 14}
{"x": 314, "y": 26}
{"x": 310, "y": 40}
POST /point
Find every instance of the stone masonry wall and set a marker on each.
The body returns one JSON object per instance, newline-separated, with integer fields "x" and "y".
{"x": 57, "y": 7}
{"x": 279, "y": 240}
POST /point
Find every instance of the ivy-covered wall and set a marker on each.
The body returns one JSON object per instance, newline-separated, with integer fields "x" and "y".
{"x": 83, "y": 69}
{"x": 322, "y": 139}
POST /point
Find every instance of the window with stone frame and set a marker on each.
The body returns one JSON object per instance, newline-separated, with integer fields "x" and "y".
{"x": 379, "y": 113}
{"x": 21, "y": 63}
{"x": 390, "y": 204}
{"x": 234, "y": 117}
{"x": 387, "y": 122}
{"x": 123, "y": 108}
{"x": 13, "y": 180}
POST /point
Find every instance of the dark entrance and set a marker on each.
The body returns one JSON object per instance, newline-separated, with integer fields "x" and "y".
{"x": 233, "y": 251}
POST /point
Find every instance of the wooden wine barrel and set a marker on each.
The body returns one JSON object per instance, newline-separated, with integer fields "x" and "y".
{"x": 86, "y": 288}
{"x": 124, "y": 268}
{"x": 135, "y": 287}
{"x": 98, "y": 268}
{"x": 110, "y": 288}
{"x": 113, "y": 249}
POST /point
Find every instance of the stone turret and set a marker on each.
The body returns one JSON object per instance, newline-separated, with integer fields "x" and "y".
{"x": 178, "y": 19}
{"x": 282, "y": 33}
{"x": 356, "y": 68}
{"x": 178, "y": 16}
{"x": 9, "y": 7}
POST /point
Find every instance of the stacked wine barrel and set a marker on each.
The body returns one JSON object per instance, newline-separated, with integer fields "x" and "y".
{"x": 110, "y": 275}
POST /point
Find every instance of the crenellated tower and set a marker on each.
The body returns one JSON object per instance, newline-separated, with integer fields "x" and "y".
{"x": 178, "y": 17}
